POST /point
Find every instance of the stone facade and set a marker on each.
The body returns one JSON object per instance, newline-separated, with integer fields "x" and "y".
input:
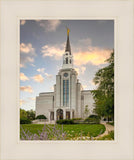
{"x": 68, "y": 99}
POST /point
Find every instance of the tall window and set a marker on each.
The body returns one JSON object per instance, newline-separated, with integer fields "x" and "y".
{"x": 66, "y": 60}
{"x": 65, "y": 92}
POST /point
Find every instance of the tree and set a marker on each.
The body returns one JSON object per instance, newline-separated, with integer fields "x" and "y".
{"x": 104, "y": 94}
{"x": 23, "y": 113}
{"x": 31, "y": 114}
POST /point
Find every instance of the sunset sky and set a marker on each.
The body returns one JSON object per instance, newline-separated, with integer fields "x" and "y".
{"x": 42, "y": 45}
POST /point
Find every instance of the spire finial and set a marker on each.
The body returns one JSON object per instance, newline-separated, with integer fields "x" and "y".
{"x": 68, "y": 48}
{"x": 68, "y": 30}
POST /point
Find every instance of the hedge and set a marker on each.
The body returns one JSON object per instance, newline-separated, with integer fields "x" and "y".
{"x": 25, "y": 121}
{"x": 65, "y": 121}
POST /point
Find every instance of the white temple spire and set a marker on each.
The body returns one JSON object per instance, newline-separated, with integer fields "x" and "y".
{"x": 67, "y": 57}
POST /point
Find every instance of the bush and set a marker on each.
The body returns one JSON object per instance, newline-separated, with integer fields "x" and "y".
{"x": 92, "y": 120}
{"x": 41, "y": 117}
{"x": 65, "y": 121}
{"x": 25, "y": 120}
{"x": 94, "y": 116}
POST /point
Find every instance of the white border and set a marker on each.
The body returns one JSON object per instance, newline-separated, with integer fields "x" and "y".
{"x": 10, "y": 12}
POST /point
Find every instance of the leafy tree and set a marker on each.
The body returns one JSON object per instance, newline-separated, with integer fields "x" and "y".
{"x": 104, "y": 94}
{"x": 31, "y": 114}
{"x": 23, "y": 113}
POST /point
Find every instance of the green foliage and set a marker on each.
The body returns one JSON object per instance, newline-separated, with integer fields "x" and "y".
{"x": 31, "y": 114}
{"x": 25, "y": 120}
{"x": 65, "y": 121}
{"x": 23, "y": 113}
{"x": 92, "y": 120}
{"x": 26, "y": 116}
{"x": 41, "y": 117}
{"x": 94, "y": 116}
{"x": 104, "y": 95}
{"x": 72, "y": 131}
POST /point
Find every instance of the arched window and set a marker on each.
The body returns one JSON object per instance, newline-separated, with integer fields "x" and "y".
{"x": 70, "y": 61}
{"x": 66, "y": 60}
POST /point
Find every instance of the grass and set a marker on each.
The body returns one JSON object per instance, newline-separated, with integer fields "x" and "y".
{"x": 72, "y": 131}
{"x": 110, "y": 136}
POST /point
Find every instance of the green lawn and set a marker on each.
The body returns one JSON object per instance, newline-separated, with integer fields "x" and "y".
{"x": 73, "y": 131}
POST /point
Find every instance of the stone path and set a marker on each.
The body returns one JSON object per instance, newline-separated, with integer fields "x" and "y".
{"x": 108, "y": 129}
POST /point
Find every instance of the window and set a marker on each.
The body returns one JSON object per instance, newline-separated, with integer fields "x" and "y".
{"x": 66, "y": 60}
{"x": 70, "y": 61}
{"x": 65, "y": 92}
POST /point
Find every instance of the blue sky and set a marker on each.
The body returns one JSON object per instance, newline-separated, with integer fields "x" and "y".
{"x": 42, "y": 45}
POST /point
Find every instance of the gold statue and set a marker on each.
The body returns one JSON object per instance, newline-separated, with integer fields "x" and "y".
{"x": 68, "y": 31}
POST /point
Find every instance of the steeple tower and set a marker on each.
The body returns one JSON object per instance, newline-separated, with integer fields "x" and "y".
{"x": 67, "y": 57}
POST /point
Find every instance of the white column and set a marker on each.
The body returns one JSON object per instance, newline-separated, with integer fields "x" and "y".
{"x": 49, "y": 116}
{"x": 71, "y": 114}
{"x": 55, "y": 115}
{"x": 64, "y": 114}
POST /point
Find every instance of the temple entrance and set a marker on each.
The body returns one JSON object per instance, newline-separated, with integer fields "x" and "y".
{"x": 67, "y": 115}
{"x": 59, "y": 113}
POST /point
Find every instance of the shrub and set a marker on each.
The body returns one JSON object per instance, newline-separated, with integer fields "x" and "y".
{"x": 25, "y": 120}
{"x": 92, "y": 120}
{"x": 94, "y": 116}
{"x": 65, "y": 121}
{"x": 41, "y": 117}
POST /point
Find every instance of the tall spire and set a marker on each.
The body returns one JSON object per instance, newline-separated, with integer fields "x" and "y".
{"x": 68, "y": 48}
{"x": 67, "y": 57}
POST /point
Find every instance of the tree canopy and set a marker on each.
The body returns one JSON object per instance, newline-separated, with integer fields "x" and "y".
{"x": 104, "y": 94}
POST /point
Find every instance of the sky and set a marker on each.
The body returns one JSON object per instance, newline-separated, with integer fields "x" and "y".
{"x": 42, "y": 45}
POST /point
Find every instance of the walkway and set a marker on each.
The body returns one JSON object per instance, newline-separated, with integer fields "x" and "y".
{"x": 108, "y": 127}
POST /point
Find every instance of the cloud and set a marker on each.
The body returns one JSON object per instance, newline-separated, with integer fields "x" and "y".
{"x": 55, "y": 52}
{"x": 32, "y": 65}
{"x": 41, "y": 70}
{"x": 49, "y": 25}
{"x": 91, "y": 82}
{"x": 48, "y": 75}
{"x": 26, "y": 89}
{"x": 83, "y": 53}
{"x": 23, "y": 77}
{"x": 32, "y": 98}
{"x": 38, "y": 78}
{"x": 27, "y": 48}
{"x": 22, "y": 22}
{"x": 84, "y": 86}
{"x": 52, "y": 88}
{"x": 94, "y": 56}
{"x": 22, "y": 102}
{"x": 27, "y": 54}
{"x": 80, "y": 69}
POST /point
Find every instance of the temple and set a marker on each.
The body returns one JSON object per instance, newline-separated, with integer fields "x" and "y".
{"x": 68, "y": 100}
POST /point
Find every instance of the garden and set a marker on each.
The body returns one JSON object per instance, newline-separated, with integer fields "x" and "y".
{"x": 60, "y": 131}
